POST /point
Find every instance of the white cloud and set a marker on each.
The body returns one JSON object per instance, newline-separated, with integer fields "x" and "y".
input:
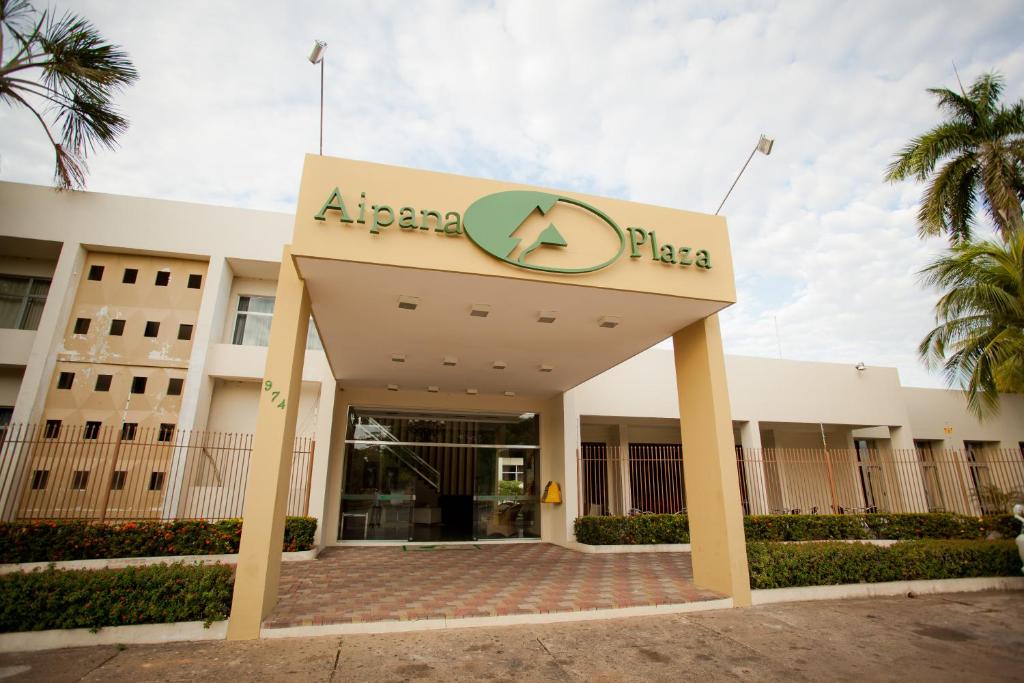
{"x": 656, "y": 101}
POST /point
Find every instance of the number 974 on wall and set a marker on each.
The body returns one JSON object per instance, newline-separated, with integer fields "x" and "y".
{"x": 274, "y": 394}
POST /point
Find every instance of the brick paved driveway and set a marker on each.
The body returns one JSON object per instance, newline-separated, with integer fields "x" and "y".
{"x": 360, "y": 584}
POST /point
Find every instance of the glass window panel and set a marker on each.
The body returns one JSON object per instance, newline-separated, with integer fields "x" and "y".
{"x": 260, "y": 304}
{"x": 13, "y": 285}
{"x": 33, "y": 312}
{"x": 313, "y": 339}
{"x": 10, "y": 312}
{"x": 502, "y": 430}
{"x": 40, "y": 287}
{"x": 256, "y": 331}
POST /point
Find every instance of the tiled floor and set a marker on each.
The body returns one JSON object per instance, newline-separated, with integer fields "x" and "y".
{"x": 360, "y": 584}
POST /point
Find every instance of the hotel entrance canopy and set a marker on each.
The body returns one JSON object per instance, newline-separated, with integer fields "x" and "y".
{"x": 419, "y": 279}
{"x": 439, "y": 292}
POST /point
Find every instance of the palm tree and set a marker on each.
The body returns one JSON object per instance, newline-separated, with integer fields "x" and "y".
{"x": 981, "y": 148}
{"x": 61, "y": 70}
{"x": 980, "y": 320}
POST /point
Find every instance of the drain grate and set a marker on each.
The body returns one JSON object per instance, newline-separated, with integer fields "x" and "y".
{"x": 445, "y": 546}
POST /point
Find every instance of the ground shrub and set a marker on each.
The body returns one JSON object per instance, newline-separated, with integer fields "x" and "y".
{"x": 643, "y": 529}
{"x": 57, "y": 599}
{"x": 636, "y": 530}
{"x": 56, "y": 540}
{"x": 775, "y": 565}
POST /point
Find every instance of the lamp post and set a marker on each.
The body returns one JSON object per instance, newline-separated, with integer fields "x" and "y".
{"x": 317, "y": 55}
{"x": 764, "y": 146}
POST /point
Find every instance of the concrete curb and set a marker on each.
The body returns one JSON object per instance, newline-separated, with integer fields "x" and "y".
{"x": 33, "y": 641}
{"x": 611, "y": 549}
{"x": 122, "y": 562}
{"x": 504, "y": 620}
{"x": 772, "y": 596}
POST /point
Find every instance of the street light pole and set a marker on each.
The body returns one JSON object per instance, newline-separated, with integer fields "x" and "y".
{"x": 764, "y": 146}
{"x": 317, "y": 55}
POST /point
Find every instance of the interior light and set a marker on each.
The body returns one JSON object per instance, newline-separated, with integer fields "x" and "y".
{"x": 398, "y": 357}
{"x": 547, "y": 316}
{"x": 480, "y": 310}
{"x": 499, "y": 365}
{"x": 472, "y": 392}
{"x": 409, "y": 303}
{"x": 546, "y": 368}
{"x": 432, "y": 389}
{"x": 510, "y": 394}
{"x": 392, "y": 387}
{"x": 449, "y": 361}
{"x": 609, "y": 321}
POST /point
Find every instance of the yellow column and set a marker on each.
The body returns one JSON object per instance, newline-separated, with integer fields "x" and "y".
{"x": 266, "y": 493}
{"x": 709, "y": 462}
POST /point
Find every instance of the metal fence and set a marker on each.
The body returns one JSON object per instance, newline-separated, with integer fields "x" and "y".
{"x": 128, "y": 473}
{"x": 650, "y": 478}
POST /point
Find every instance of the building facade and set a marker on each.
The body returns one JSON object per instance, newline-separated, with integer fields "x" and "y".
{"x": 439, "y": 393}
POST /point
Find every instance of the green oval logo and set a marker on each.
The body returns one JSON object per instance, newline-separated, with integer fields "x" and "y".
{"x": 492, "y": 221}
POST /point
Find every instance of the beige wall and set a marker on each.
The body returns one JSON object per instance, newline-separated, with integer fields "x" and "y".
{"x": 932, "y": 411}
{"x": 10, "y": 382}
{"x": 234, "y": 403}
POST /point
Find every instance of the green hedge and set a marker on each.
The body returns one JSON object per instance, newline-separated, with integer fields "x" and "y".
{"x": 53, "y": 541}
{"x": 774, "y": 565}
{"x": 645, "y": 529}
{"x": 156, "y": 594}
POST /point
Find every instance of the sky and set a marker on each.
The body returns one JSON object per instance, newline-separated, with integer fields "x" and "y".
{"x": 656, "y": 102}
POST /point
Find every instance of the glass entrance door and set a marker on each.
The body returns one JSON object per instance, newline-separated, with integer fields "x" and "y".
{"x": 440, "y": 477}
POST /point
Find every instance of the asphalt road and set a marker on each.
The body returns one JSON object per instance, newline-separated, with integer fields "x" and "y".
{"x": 976, "y": 636}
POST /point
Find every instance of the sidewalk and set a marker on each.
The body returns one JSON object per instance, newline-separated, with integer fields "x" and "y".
{"x": 953, "y": 637}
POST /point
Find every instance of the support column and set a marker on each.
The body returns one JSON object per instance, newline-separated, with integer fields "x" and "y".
{"x": 753, "y": 467}
{"x": 622, "y": 462}
{"x": 28, "y": 406}
{"x": 266, "y": 494}
{"x": 198, "y": 392}
{"x": 907, "y": 477}
{"x": 709, "y": 462}
{"x": 322, "y": 454}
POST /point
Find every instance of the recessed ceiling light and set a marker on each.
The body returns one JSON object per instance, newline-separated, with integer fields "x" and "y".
{"x": 392, "y": 387}
{"x": 449, "y": 361}
{"x": 510, "y": 394}
{"x": 432, "y": 389}
{"x": 398, "y": 357}
{"x": 547, "y": 316}
{"x": 409, "y": 303}
{"x": 609, "y": 321}
{"x": 480, "y": 310}
{"x": 499, "y": 365}
{"x": 472, "y": 392}
{"x": 546, "y": 368}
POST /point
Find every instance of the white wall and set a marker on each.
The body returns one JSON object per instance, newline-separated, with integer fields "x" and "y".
{"x": 234, "y": 404}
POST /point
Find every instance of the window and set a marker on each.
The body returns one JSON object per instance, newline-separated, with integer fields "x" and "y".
{"x": 138, "y": 385}
{"x": 79, "y": 480}
{"x": 156, "y": 481}
{"x": 117, "y": 480}
{"x": 252, "y": 322}
{"x": 92, "y": 430}
{"x": 195, "y": 281}
{"x": 128, "y": 430}
{"x": 21, "y": 301}
{"x": 184, "y": 332}
{"x": 96, "y": 272}
{"x": 39, "y": 479}
{"x": 166, "y": 432}
{"x": 65, "y": 380}
{"x": 103, "y": 382}
{"x": 130, "y": 276}
{"x": 52, "y": 430}
{"x": 152, "y": 328}
{"x": 82, "y": 326}
{"x": 116, "y": 328}
{"x": 174, "y": 385}
{"x": 163, "y": 278}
